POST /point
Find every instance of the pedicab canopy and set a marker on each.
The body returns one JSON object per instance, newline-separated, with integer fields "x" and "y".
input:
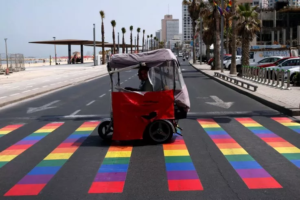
{"x": 131, "y": 108}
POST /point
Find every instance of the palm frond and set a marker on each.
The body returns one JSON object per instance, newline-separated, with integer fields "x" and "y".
{"x": 113, "y": 23}
{"x": 131, "y": 28}
{"x": 123, "y": 30}
{"x": 102, "y": 14}
{"x": 138, "y": 30}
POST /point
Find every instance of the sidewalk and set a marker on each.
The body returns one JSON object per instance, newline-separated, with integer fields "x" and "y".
{"x": 286, "y": 101}
{"x": 40, "y": 80}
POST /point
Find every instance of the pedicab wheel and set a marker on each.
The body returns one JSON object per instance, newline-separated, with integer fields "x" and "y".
{"x": 159, "y": 131}
{"x": 104, "y": 131}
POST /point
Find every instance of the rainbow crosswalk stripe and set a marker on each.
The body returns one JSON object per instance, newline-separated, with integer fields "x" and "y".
{"x": 288, "y": 123}
{"x": 39, "y": 176}
{"x": 181, "y": 173}
{"x": 112, "y": 173}
{"x": 251, "y": 172}
{"x": 15, "y": 150}
{"x": 8, "y": 129}
{"x": 282, "y": 146}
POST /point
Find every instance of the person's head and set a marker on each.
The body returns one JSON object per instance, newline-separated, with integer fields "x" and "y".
{"x": 142, "y": 73}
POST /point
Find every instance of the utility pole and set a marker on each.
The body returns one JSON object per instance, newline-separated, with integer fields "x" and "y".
{"x": 55, "y": 52}
{"x": 7, "y": 72}
{"x": 222, "y": 38}
{"x": 94, "y": 35}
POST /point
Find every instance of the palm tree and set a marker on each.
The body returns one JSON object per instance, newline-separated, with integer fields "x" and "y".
{"x": 131, "y": 28}
{"x": 247, "y": 27}
{"x": 233, "y": 39}
{"x": 151, "y": 41}
{"x": 113, "y": 23}
{"x": 143, "y": 40}
{"x": 217, "y": 39}
{"x": 138, "y": 38}
{"x": 207, "y": 36}
{"x": 154, "y": 43}
{"x": 147, "y": 42}
{"x": 123, "y": 31}
{"x": 102, "y": 14}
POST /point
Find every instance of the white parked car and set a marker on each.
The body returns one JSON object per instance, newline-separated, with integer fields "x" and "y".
{"x": 293, "y": 72}
{"x": 227, "y": 62}
{"x": 286, "y": 65}
{"x": 264, "y": 61}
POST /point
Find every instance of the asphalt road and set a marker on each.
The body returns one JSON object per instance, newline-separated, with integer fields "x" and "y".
{"x": 225, "y": 160}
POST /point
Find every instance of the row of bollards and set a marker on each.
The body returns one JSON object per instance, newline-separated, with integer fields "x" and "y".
{"x": 271, "y": 77}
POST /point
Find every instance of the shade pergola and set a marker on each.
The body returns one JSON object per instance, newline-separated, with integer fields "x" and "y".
{"x": 69, "y": 42}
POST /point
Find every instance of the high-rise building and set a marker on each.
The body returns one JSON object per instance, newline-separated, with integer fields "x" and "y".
{"x": 187, "y": 29}
{"x": 169, "y": 28}
{"x": 157, "y": 34}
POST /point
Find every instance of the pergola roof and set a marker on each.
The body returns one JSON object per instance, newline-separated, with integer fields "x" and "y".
{"x": 66, "y": 42}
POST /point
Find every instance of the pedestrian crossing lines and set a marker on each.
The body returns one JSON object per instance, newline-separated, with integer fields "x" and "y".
{"x": 181, "y": 173}
{"x": 112, "y": 173}
{"x": 288, "y": 123}
{"x": 251, "y": 172}
{"x": 18, "y": 148}
{"x": 282, "y": 146}
{"x": 39, "y": 176}
{"x": 8, "y": 129}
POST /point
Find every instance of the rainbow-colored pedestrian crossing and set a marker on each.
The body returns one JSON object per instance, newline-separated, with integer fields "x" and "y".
{"x": 288, "y": 123}
{"x": 251, "y": 172}
{"x": 112, "y": 173}
{"x": 38, "y": 177}
{"x": 282, "y": 146}
{"x": 15, "y": 150}
{"x": 8, "y": 129}
{"x": 181, "y": 173}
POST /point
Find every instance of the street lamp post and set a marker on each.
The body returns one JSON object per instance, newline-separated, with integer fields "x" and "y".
{"x": 94, "y": 35}
{"x": 118, "y": 43}
{"x": 55, "y": 52}
{"x": 7, "y": 72}
{"x": 135, "y": 43}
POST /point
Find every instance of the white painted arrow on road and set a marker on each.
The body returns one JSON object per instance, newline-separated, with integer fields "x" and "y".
{"x": 220, "y": 103}
{"x": 44, "y": 107}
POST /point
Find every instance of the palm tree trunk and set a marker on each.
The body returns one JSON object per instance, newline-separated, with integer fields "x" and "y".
{"x": 207, "y": 53}
{"x": 131, "y": 42}
{"x": 233, "y": 41}
{"x": 217, "y": 65}
{"x": 138, "y": 38}
{"x": 227, "y": 35}
{"x": 143, "y": 42}
{"x": 123, "y": 47}
{"x": 245, "y": 50}
{"x": 194, "y": 48}
{"x": 103, "y": 53}
{"x": 114, "y": 42}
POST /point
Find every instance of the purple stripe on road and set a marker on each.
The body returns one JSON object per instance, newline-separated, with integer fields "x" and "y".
{"x": 266, "y": 135}
{"x": 253, "y": 173}
{"x": 220, "y": 136}
{"x": 111, "y": 176}
{"x": 27, "y": 142}
{"x": 35, "y": 179}
{"x": 182, "y": 175}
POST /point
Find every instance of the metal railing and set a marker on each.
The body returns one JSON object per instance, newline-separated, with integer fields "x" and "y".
{"x": 15, "y": 63}
{"x": 276, "y": 78}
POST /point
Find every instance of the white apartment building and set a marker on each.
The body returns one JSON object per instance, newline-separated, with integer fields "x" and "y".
{"x": 187, "y": 29}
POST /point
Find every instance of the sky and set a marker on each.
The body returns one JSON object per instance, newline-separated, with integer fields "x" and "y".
{"x": 23, "y": 21}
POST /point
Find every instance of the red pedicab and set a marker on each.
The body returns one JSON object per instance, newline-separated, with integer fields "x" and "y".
{"x": 146, "y": 114}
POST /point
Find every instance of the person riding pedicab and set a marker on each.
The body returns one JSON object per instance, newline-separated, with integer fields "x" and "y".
{"x": 145, "y": 85}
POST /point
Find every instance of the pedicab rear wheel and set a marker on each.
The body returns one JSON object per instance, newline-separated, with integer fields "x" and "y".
{"x": 105, "y": 131}
{"x": 160, "y": 131}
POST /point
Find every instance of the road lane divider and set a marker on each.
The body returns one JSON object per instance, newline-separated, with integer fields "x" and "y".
{"x": 102, "y": 95}
{"x": 111, "y": 175}
{"x": 18, "y": 148}
{"x": 249, "y": 170}
{"x": 34, "y": 182}
{"x": 8, "y": 129}
{"x": 288, "y": 123}
{"x": 181, "y": 173}
{"x": 90, "y": 103}
{"x": 279, "y": 144}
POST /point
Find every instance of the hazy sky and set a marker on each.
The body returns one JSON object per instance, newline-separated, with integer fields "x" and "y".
{"x": 23, "y": 21}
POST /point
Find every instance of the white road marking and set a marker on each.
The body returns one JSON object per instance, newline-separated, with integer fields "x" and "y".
{"x": 102, "y": 95}
{"x": 44, "y": 107}
{"x": 26, "y": 91}
{"x": 90, "y": 103}
{"x": 122, "y": 82}
{"x": 109, "y": 90}
{"x": 74, "y": 113}
{"x": 14, "y": 94}
{"x": 3, "y": 97}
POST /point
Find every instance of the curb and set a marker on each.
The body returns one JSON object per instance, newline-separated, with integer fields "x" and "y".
{"x": 282, "y": 109}
{"x": 47, "y": 91}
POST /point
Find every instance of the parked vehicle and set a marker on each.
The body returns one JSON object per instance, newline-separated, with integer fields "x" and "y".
{"x": 293, "y": 72}
{"x": 275, "y": 63}
{"x": 286, "y": 65}
{"x": 258, "y": 54}
{"x": 227, "y": 62}
{"x": 210, "y": 62}
{"x": 180, "y": 55}
{"x": 268, "y": 60}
